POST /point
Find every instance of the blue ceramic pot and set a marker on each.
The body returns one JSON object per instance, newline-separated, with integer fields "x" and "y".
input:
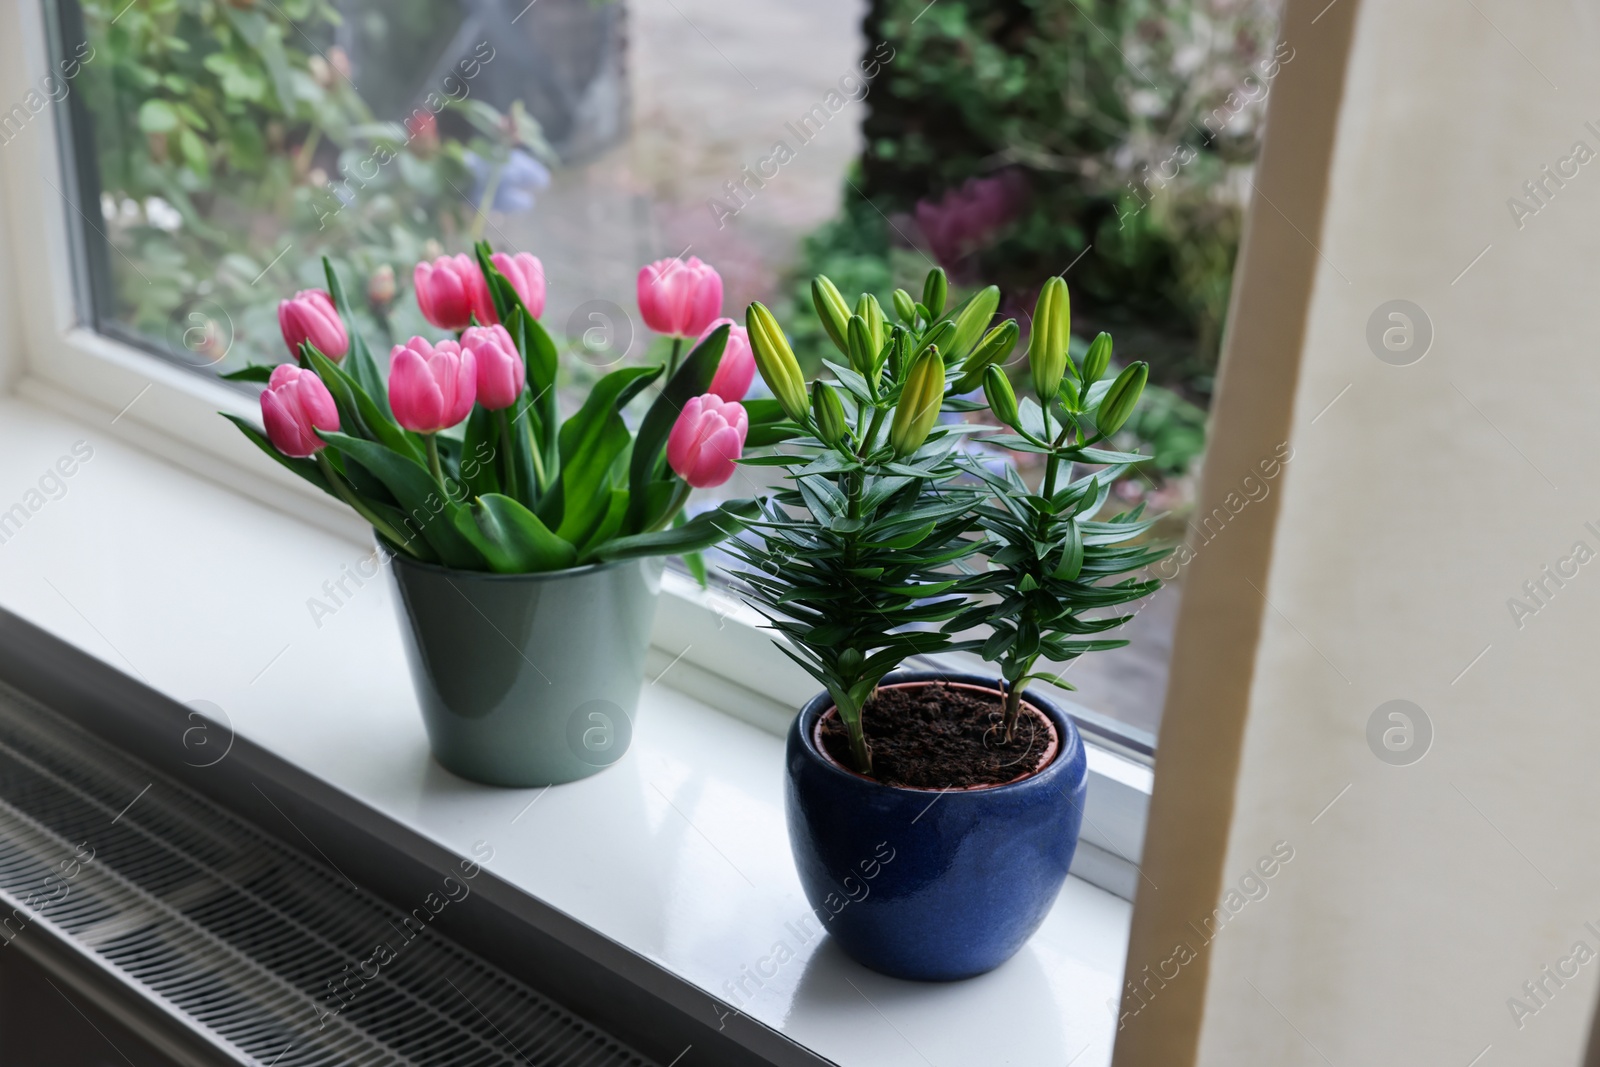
{"x": 927, "y": 884}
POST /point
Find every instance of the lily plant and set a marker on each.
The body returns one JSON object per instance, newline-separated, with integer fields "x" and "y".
{"x": 460, "y": 456}
{"x": 906, "y": 530}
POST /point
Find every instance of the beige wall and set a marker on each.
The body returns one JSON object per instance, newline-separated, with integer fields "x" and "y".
{"x": 1415, "y": 507}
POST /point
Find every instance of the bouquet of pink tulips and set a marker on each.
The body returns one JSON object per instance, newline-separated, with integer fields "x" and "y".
{"x": 459, "y": 455}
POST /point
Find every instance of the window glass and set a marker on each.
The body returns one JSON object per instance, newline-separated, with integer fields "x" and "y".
{"x": 221, "y": 147}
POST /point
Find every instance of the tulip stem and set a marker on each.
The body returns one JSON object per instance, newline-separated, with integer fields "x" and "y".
{"x": 539, "y": 476}
{"x": 680, "y": 496}
{"x": 430, "y": 441}
{"x": 672, "y": 361}
{"x": 511, "y": 486}
{"x": 349, "y": 497}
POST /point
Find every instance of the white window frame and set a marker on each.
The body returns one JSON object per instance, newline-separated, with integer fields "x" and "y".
{"x": 48, "y": 356}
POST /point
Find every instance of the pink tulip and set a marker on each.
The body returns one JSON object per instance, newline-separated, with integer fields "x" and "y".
{"x": 295, "y": 406}
{"x": 526, "y": 275}
{"x": 431, "y": 387}
{"x": 679, "y": 297}
{"x": 451, "y": 290}
{"x": 501, "y": 371}
{"x": 738, "y": 367}
{"x": 707, "y": 440}
{"x": 309, "y": 316}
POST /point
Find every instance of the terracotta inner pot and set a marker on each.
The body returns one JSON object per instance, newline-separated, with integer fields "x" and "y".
{"x": 1051, "y": 749}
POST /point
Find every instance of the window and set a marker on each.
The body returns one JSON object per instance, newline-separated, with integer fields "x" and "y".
{"x": 217, "y": 149}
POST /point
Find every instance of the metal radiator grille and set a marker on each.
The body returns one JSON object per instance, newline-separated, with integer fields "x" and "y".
{"x": 241, "y": 937}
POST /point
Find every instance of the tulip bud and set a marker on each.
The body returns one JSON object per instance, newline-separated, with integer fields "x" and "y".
{"x": 451, "y": 293}
{"x": 877, "y": 327}
{"x": 832, "y": 310}
{"x": 295, "y": 406}
{"x": 863, "y": 353}
{"x": 677, "y": 297}
{"x": 934, "y": 289}
{"x": 919, "y": 405}
{"x": 526, "y": 275}
{"x": 775, "y": 360}
{"x": 829, "y": 414}
{"x": 738, "y": 366}
{"x": 501, "y": 372}
{"x": 707, "y": 440}
{"x": 993, "y": 349}
{"x": 972, "y": 321}
{"x": 1002, "y": 401}
{"x": 432, "y": 387}
{"x": 1117, "y": 404}
{"x": 1097, "y": 359}
{"x": 310, "y": 316}
{"x": 1047, "y": 347}
{"x": 904, "y": 307}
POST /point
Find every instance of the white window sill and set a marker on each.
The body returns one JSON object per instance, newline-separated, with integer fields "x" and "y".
{"x": 678, "y": 852}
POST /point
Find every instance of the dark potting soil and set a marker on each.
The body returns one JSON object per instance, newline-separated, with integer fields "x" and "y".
{"x": 936, "y": 736}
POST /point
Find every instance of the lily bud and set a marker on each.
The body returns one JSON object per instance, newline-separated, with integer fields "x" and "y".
{"x": 861, "y": 349}
{"x": 934, "y": 289}
{"x": 939, "y": 335}
{"x": 1002, "y": 400}
{"x": 993, "y": 349}
{"x": 1097, "y": 359}
{"x": 919, "y": 405}
{"x": 905, "y": 307}
{"x": 829, "y": 414}
{"x": 899, "y": 353}
{"x": 775, "y": 360}
{"x": 1047, "y": 347}
{"x": 832, "y": 310}
{"x": 877, "y": 326}
{"x": 1117, "y": 404}
{"x": 972, "y": 321}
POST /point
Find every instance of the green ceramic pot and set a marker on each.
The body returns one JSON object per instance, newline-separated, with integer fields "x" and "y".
{"x": 528, "y": 679}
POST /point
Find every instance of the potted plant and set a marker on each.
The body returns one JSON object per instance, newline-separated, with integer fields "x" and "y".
{"x": 524, "y": 548}
{"x": 933, "y": 815}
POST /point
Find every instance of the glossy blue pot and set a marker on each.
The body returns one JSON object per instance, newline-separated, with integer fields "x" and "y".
{"x": 932, "y": 885}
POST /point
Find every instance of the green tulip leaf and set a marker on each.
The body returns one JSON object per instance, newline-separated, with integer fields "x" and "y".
{"x": 591, "y": 443}
{"x": 704, "y": 530}
{"x": 353, "y": 399}
{"x": 359, "y": 361}
{"x": 305, "y": 468}
{"x": 255, "y": 372}
{"x": 691, "y": 379}
{"x": 511, "y": 537}
{"x": 427, "y": 507}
